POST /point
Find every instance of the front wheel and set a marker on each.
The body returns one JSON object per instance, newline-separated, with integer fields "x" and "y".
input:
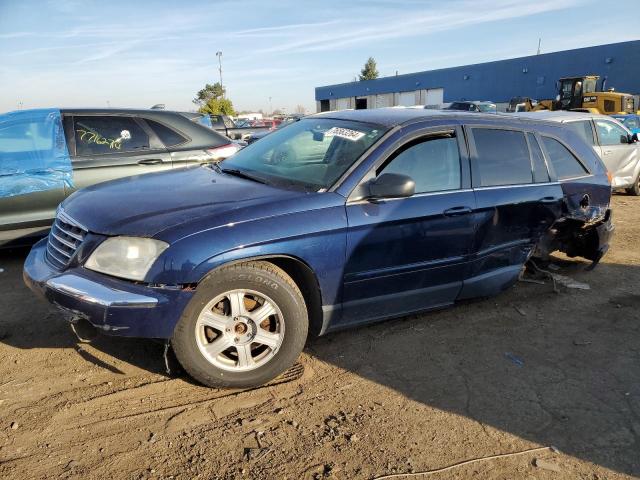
{"x": 245, "y": 325}
{"x": 635, "y": 189}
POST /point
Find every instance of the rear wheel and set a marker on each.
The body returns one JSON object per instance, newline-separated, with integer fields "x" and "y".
{"x": 246, "y": 324}
{"x": 635, "y": 190}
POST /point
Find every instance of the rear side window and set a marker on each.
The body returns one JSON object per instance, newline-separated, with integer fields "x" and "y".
{"x": 108, "y": 134}
{"x": 434, "y": 164}
{"x": 502, "y": 157}
{"x": 540, "y": 172}
{"x": 583, "y": 129}
{"x": 26, "y": 136}
{"x": 167, "y": 135}
{"x": 565, "y": 164}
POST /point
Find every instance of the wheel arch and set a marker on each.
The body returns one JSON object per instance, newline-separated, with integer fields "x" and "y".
{"x": 301, "y": 273}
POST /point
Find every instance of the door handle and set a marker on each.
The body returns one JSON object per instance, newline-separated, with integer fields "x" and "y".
{"x": 452, "y": 212}
{"x": 548, "y": 200}
{"x": 607, "y": 152}
{"x": 150, "y": 161}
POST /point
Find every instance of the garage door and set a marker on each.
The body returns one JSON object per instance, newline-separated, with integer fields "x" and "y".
{"x": 384, "y": 100}
{"x": 343, "y": 103}
{"x": 435, "y": 97}
{"x": 406, "y": 99}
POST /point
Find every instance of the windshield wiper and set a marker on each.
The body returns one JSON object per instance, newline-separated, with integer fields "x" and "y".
{"x": 241, "y": 174}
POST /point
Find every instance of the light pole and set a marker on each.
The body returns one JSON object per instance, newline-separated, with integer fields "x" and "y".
{"x": 270, "y": 107}
{"x": 219, "y": 55}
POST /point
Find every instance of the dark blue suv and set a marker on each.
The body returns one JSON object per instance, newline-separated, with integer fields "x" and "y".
{"x": 337, "y": 220}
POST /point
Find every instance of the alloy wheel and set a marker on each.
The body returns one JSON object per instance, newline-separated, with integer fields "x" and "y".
{"x": 240, "y": 330}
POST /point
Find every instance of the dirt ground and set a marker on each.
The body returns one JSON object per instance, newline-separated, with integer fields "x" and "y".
{"x": 529, "y": 368}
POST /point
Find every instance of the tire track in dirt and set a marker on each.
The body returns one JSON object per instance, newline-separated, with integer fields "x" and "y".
{"x": 155, "y": 407}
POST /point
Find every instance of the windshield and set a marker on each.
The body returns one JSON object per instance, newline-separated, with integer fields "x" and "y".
{"x": 467, "y": 107}
{"x": 487, "y": 108}
{"x": 311, "y": 153}
{"x": 590, "y": 85}
{"x": 630, "y": 122}
{"x": 286, "y": 122}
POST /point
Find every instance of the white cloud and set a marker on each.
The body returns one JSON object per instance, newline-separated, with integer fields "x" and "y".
{"x": 445, "y": 16}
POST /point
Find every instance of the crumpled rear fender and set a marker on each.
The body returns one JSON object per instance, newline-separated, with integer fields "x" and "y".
{"x": 585, "y": 235}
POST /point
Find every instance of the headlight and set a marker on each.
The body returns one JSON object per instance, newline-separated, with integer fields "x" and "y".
{"x": 126, "y": 257}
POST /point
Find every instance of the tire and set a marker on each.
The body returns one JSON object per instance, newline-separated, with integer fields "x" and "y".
{"x": 635, "y": 189}
{"x": 239, "y": 307}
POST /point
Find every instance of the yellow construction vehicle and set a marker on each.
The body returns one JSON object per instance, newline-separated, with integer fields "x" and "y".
{"x": 581, "y": 94}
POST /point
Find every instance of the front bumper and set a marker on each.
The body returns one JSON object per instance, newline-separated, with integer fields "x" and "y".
{"x": 114, "y": 306}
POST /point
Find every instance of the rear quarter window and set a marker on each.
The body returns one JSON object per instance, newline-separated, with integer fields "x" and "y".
{"x": 583, "y": 128}
{"x": 167, "y": 135}
{"x": 502, "y": 157}
{"x": 564, "y": 163}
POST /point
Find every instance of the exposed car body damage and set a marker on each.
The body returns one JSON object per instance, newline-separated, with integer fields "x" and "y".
{"x": 583, "y": 233}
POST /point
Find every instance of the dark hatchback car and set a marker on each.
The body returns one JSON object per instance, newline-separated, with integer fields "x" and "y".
{"x": 98, "y": 145}
{"x": 338, "y": 220}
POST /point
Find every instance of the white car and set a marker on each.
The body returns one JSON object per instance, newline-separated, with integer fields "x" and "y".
{"x": 613, "y": 142}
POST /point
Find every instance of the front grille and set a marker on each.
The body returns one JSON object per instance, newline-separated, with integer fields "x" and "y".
{"x": 65, "y": 237}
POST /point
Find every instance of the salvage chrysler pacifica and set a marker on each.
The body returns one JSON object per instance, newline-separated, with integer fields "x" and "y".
{"x": 338, "y": 220}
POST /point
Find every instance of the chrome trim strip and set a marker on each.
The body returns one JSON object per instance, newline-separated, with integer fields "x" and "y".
{"x": 416, "y": 195}
{"x": 54, "y": 256}
{"x": 65, "y": 254}
{"x": 69, "y": 232}
{"x": 579, "y": 177}
{"x": 66, "y": 219}
{"x": 63, "y": 241}
{"x": 96, "y": 293}
{"x": 520, "y": 185}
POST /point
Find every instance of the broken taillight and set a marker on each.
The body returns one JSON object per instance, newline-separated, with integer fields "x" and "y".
{"x": 223, "y": 151}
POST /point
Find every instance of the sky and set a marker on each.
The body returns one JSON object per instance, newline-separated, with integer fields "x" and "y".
{"x": 137, "y": 53}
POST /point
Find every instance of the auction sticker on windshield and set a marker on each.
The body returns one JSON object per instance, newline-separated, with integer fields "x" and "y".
{"x": 346, "y": 133}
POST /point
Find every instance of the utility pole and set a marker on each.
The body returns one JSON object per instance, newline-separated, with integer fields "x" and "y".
{"x": 539, "y": 42}
{"x": 219, "y": 55}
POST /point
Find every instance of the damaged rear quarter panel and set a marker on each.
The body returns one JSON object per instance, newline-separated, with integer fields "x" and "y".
{"x": 584, "y": 227}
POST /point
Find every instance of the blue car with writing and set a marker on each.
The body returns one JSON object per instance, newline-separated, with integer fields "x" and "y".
{"x": 338, "y": 220}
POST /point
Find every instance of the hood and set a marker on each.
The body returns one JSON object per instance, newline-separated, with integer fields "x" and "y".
{"x": 145, "y": 205}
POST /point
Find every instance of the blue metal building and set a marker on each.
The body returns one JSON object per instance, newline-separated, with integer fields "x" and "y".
{"x": 618, "y": 64}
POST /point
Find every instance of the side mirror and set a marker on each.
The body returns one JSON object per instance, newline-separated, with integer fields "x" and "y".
{"x": 391, "y": 185}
